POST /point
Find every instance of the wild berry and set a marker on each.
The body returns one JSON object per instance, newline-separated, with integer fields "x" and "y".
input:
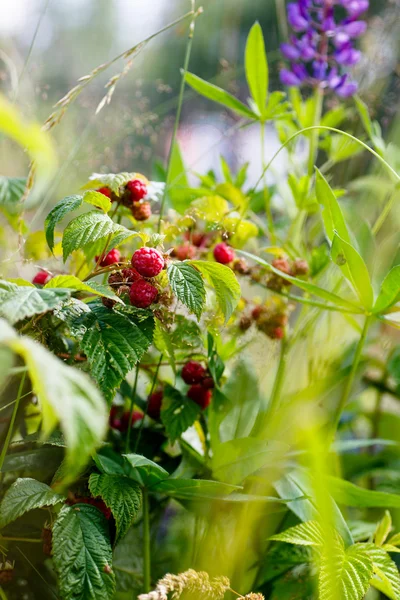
{"x": 200, "y": 395}
{"x": 114, "y": 256}
{"x": 130, "y": 275}
{"x": 142, "y": 294}
{"x": 184, "y": 252}
{"x": 114, "y": 417}
{"x": 105, "y": 191}
{"x": 300, "y": 267}
{"x": 208, "y": 383}
{"x": 141, "y": 211}
{"x": 41, "y": 278}
{"x": 193, "y": 372}
{"x": 6, "y": 572}
{"x": 223, "y": 253}
{"x": 126, "y": 417}
{"x": 137, "y": 188}
{"x": 148, "y": 262}
{"x": 154, "y": 402}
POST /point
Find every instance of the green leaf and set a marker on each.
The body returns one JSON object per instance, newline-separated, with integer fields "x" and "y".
{"x": 256, "y": 66}
{"x": 20, "y": 302}
{"x": 82, "y": 554}
{"x": 224, "y": 282}
{"x": 66, "y": 396}
{"x": 345, "y": 492}
{"x": 210, "y": 208}
{"x": 65, "y": 206}
{"x": 331, "y": 212}
{"x": 121, "y": 495}
{"x": 97, "y": 199}
{"x": 305, "y": 534}
{"x": 24, "y": 495}
{"x": 194, "y": 489}
{"x": 363, "y": 111}
{"x": 146, "y": 472}
{"x": 390, "y": 291}
{"x": 71, "y": 313}
{"x": 305, "y": 285}
{"x": 354, "y": 269}
{"x": 387, "y": 578}
{"x": 11, "y": 192}
{"x": 218, "y": 95}
{"x": 74, "y": 283}
{"x": 178, "y": 183}
{"x": 383, "y": 529}
{"x": 178, "y": 413}
{"x": 114, "y": 342}
{"x": 86, "y": 229}
{"x": 187, "y": 285}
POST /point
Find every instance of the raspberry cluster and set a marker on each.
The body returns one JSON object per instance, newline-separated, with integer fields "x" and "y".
{"x": 200, "y": 381}
{"x": 133, "y": 197}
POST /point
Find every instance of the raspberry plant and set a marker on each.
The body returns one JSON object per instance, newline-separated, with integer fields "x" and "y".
{"x": 137, "y": 436}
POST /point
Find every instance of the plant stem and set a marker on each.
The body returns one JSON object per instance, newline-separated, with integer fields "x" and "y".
{"x": 128, "y": 434}
{"x": 267, "y": 198}
{"x": 179, "y": 109}
{"x": 18, "y": 539}
{"x": 146, "y": 543}
{"x": 279, "y": 377}
{"x": 350, "y": 379}
{"x": 12, "y": 421}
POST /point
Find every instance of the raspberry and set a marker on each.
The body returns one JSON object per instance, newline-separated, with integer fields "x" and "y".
{"x": 184, "y": 252}
{"x": 105, "y": 191}
{"x": 223, "y": 253}
{"x": 193, "y": 372}
{"x": 300, "y": 267}
{"x": 208, "y": 383}
{"x": 114, "y": 256}
{"x": 41, "y": 278}
{"x": 277, "y": 333}
{"x": 196, "y": 238}
{"x": 136, "y": 416}
{"x": 258, "y": 311}
{"x": 113, "y": 418}
{"x": 282, "y": 264}
{"x": 154, "y": 402}
{"x": 6, "y": 572}
{"x": 142, "y": 211}
{"x": 142, "y": 294}
{"x": 130, "y": 275}
{"x": 137, "y": 188}
{"x": 200, "y": 395}
{"x": 148, "y": 262}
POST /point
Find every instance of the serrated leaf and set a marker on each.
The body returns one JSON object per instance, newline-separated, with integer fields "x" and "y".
{"x": 71, "y": 313}
{"x": 224, "y": 282}
{"x": 62, "y": 208}
{"x": 20, "y": 302}
{"x": 390, "y": 291}
{"x": 188, "y": 286}
{"x": 24, "y": 495}
{"x": 114, "y": 342}
{"x": 86, "y": 229}
{"x": 387, "y": 578}
{"x": 331, "y": 212}
{"x": 11, "y": 192}
{"x": 74, "y": 283}
{"x": 256, "y": 66}
{"x": 218, "y": 95}
{"x": 121, "y": 495}
{"x": 178, "y": 413}
{"x": 305, "y": 534}
{"x": 354, "y": 269}
{"x": 97, "y": 199}
{"x": 383, "y": 529}
{"x": 66, "y": 397}
{"x": 113, "y": 181}
{"x": 146, "y": 472}
{"x": 82, "y": 554}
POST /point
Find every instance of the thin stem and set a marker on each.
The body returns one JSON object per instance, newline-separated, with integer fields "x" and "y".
{"x": 18, "y": 539}
{"x": 146, "y": 543}
{"x": 133, "y": 397}
{"x": 350, "y": 379}
{"x": 279, "y": 377}
{"x": 153, "y": 385}
{"x": 179, "y": 108}
{"x": 267, "y": 198}
{"x": 12, "y": 422}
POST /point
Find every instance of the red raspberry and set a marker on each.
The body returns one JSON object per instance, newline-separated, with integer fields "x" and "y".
{"x": 105, "y": 191}
{"x": 142, "y": 294}
{"x": 142, "y": 211}
{"x": 136, "y": 416}
{"x": 208, "y": 383}
{"x": 223, "y": 253}
{"x": 154, "y": 402}
{"x": 282, "y": 264}
{"x": 200, "y": 395}
{"x": 114, "y": 256}
{"x": 41, "y": 278}
{"x": 137, "y": 188}
{"x": 184, "y": 252}
{"x": 196, "y": 238}
{"x": 193, "y": 372}
{"x": 258, "y": 311}
{"x": 148, "y": 262}
{"x": 130, "y": 275}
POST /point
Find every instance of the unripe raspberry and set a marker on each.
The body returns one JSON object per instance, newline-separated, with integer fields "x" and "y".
{"x": 193, "y": 372}
{"x": 282, "y": 264}
{"x": 223, "y": 253}
{"x": 300, "y": 267}
{"x": 142, "y": 294}
{"x": 137, "y": 188}
{"x": 154, "y": 402}
{"x": 105, "y": 191}
{"x": 240, "y": 266}
{"x": 6, "y": 572}
{"x": 41, "y": 278}
{"x": 115, "y": 279}
{"x": 184, "y": 252}
{"x": 114, "y": 256}
{"x": 200, "y": 395}
{"x": 141, "y": 211}
{"x": 148, "y": 262}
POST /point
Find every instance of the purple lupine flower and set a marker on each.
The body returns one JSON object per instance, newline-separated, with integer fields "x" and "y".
{"x": 324, "y": 43}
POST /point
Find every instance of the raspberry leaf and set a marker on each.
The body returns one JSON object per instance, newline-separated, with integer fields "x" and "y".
{"x": 65, "y": 206}
{"x": 121, "y": 495}
{"x": 224, "y": 282}
{"x": 82, "y": 554}
{"x": 387, "y": 577}
{"x": 97, "y": 199}
{"x": 178, "y": 413}
{"x": 74, "y": 283}
{"x": 305, "y": 534}
{"x": 188, "y": 286}
{"x": 146, "y": 472}
{"x": 20, "y": 302}
{"x": 26, "y": 494}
